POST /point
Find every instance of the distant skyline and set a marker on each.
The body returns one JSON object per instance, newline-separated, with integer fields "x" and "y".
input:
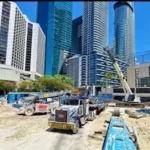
{"x": 142, "y": 21}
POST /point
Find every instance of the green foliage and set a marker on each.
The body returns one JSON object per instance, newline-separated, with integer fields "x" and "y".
{"x": 64, "y": 79}
{"x": 37, "y": 87}
{"x": 109, "y": 75}
{"x": 58, "y": 82}
{"x": 7, "y": 86}
{"x": 45, "y": 83}
{"x": 26, "y": 86}
{"x": 116, "y": 76}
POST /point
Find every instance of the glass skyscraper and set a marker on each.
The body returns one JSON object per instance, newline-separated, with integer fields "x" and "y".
{"x": 95, "y": 27}
{"x": 124, "y": 31}
{"x": 55, "y": 18}
{"x": 95, "y": 38}
{"x": 77, "y": 35}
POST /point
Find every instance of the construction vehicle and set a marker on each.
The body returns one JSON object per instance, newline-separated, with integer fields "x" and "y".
{"x": 72, "y": 113}
{"x": 33, "y": 104}
{"x": 97, "y": 105}
{"x": 130, "y": 100}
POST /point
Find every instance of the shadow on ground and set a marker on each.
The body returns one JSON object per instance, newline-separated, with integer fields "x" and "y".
{"x": 36, "y": 114}
{"x": 69, "y": 132}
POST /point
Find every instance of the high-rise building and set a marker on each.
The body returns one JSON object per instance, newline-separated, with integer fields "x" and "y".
{"x": 22, "y": 43}
{"x": 76, "y": 68}
{"x": 73, "y": 69}
{"x": 95, "y": 27}
{"x": 55, "y": 19}
{"x": 77, "y": 35}
{"x": 95, "y": 38}
{"x": 124, "y": 31}
{"x": 94, "y": 64}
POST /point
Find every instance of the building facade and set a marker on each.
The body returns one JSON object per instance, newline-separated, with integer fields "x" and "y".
{"x": 138, "y": 78}
{"x": 73, "y": 69}
{"x": 139, "y": 75}
{"x": 100, "y": 66}
{"x": 77, "y": 35}
{"x": 95, "y": 38}
{"x": 55, "y": 18}
{"x": 22, "y": 43}
{"x": 124, "y": 31}
{"x": 95, "y": 27}
{"x": 77, "y": 69}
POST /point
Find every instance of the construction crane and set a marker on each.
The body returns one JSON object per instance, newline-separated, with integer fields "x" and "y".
{"x": 130, "y": 98}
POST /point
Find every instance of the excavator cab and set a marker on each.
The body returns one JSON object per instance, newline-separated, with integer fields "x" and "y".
{"x": 132, "y": 98}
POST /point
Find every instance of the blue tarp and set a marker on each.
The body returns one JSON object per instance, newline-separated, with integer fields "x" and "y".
{"x": 118, "y": 137}
{"x": 104, "y": 97}
{"x": 145, "y": 110}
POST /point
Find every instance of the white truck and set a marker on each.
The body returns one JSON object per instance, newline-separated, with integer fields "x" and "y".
{"x": 71, "y": 114}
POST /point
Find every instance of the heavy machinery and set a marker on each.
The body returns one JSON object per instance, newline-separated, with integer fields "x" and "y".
{"x": 72, "y": 113}
{"x": 33, "y": 104}
{"x": 97, "y": 105}
{"x": 130, "y": 100}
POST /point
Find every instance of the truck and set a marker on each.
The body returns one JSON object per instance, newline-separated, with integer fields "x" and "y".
{"x": 131, "y": 99}
{"x": 34, "y": 104}
{"x": 72, "y": 113}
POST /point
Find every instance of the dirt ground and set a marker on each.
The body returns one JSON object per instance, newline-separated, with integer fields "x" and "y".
{"x": 18, "y": 132}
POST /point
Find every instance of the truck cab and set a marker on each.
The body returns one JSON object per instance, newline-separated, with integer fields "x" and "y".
{"x": 71, "y": 114}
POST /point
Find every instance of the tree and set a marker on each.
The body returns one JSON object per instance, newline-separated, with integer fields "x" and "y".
{"x": 37, "y": 87}
{"x": 7, "y": 86}
{"x": 107, "y": 77}
{"x": 26, "y": 86}
{"x": 53, "y": 83}
{"x": 116, "y": 76}
{"x": 47, "y": 83}
{"x": 10, "y": 86}
{"x": 64, "y": 79}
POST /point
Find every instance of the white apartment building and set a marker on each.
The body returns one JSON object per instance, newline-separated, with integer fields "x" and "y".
{"x": 22, "y": 43}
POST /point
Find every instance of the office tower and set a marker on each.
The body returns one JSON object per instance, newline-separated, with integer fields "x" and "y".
{"x": 77, "y": 35}
{"x": 37, "y": 52}
{"x": 95, "y": 27}
{"x": 95, "y": 38}
{"x": 73, "y": 69}
{"x": 22, "y": 43}
{"x": 55, "y": 19}
{"x": 124, "y": 31}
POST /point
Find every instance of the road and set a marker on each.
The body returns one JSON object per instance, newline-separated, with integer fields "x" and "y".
{"x": 29, "y": 133}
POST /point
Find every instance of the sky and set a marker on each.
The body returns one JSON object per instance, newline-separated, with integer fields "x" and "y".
{"x": 142, "y": 21}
